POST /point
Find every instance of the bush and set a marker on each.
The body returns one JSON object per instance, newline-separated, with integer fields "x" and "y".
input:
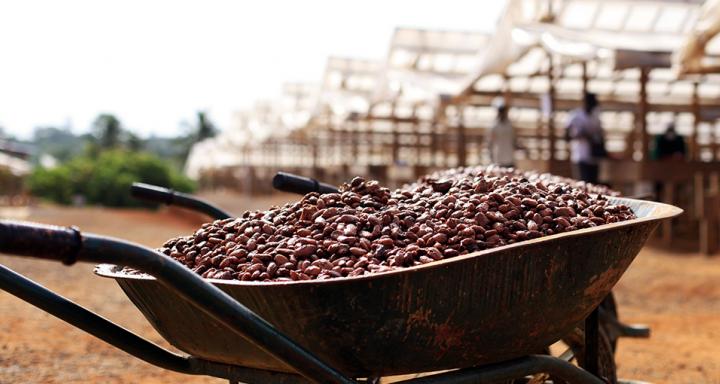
{"x": 105, "y": 179}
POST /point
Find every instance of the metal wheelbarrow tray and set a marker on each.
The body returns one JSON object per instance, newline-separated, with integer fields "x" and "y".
{"x": 470, "y": 310}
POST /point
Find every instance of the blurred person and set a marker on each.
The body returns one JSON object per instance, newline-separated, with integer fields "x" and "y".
{"x": 501, "y": 138}
{"x": 669, "y": 145}
{"x": 587, "y": 140}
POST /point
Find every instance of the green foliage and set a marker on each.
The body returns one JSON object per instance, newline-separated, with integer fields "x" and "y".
{"x": 61, "y": 143}
{"x": 108, "y": 130}
{"x": 205, "y": 128}
{"x": 55, "y": 184}
{"x": 105, "y": 179}
{"x": 173, "y": 149}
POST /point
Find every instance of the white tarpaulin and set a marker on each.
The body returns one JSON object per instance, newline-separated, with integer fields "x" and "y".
{"x": 692, "y": 57}
{"x": 625, "y": 33}
{"x": 425, "y": 63}
{"x": 506, "y": 45}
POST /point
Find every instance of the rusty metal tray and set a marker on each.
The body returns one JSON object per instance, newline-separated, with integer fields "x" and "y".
{"x": 475, "y": 309}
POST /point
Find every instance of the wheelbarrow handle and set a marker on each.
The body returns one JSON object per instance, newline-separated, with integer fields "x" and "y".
{"x": 157, "y": 194}
{"x": 40, "y": 241}
{"x": 289, "y": 182}
{"x": 69, "y": 245}
{"x": 121, "y": 338}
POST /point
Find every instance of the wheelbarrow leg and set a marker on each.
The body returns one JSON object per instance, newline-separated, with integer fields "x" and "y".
{"x": 510, "y": 370}
{"x": 592, "y": 325}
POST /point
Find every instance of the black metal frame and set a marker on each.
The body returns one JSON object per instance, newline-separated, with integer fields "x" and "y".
{"x": 292, "y": 183}
{"x": 156, "y": 194}
{"x": 68, "y": 245}
{"x": 127, "y": 341}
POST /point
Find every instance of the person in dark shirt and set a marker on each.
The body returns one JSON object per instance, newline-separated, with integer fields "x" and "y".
{"x": 669, "y": 145}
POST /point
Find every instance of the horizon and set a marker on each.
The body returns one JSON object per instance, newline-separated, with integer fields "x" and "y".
{"x": 76, "y": 60}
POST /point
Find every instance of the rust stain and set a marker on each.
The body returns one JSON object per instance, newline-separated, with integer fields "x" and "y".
{"x": 444, "y": 336}
{"x": 598, "y": 283}
{"x": 419, "y": 317}
{"x": 447, "y": 338}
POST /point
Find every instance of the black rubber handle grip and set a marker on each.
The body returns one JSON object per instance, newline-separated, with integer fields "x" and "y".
{"x": 40, "y": 241}
{"x": 288, "y": 182}
{"x": 155, "y": 194}
{"x": 152, "y": 193}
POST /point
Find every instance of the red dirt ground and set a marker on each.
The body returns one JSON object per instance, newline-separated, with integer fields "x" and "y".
{"x": 678, "y": 295}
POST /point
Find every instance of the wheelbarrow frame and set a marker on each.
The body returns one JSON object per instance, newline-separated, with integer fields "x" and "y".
{"x": 69, "y": 245}
{"x": 292, "y": 183}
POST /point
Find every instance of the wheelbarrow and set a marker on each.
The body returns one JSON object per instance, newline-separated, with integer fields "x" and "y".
{"x": 483, "y": 316}
{"x": 612, "y": 327}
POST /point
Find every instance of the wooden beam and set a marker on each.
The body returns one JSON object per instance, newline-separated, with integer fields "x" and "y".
{"x": 710, "y": 108}
{"x": 461, "y": 147}
{"x": 395, "y": 137}
{"x": 642, "y": 114}
{"x": 695, "y": 108}
{"x": 551, "y": 112}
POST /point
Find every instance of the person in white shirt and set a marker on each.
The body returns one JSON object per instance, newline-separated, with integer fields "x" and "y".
{"x": 587, "y": 142}
{"x": 501, "y": 139}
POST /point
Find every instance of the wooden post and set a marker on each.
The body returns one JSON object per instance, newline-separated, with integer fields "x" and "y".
{"x": 395, "y": 135}
{"x": 713, "y": 142}
{"x": 507, "y": 97}
{"x": 710, "y": 205}
{"x": 668, "y": 197}
{"x": 417, "y": 136}
{"x": 438, "y": 118}
{"x": 642, "y": 114}
{"x": 585, "y": 78}
{"x": 354, "y": 141}
{"x": 433, "y": 142}
{"x": 314, "y": 141}
{"x": 551, "y": 112}
{"x": 461, "y": 148}
{"x": 694, "y": 146}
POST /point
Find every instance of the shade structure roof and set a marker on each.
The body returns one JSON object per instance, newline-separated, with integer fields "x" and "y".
{"x": 278, "y": 117}
{"x": 627, "y": 33}
{"x": 605, "y": 46}
{"x": 424, "y": 63}
{"x": 347, "y": 86}
{"x": 700, "y": 51}
{"x": 613, "y": 37}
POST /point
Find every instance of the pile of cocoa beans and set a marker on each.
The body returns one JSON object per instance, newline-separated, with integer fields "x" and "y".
{"x": 367, "y": 228}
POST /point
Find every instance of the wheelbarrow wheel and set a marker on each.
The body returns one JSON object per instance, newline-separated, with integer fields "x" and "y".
{"x": 606, "y": 354}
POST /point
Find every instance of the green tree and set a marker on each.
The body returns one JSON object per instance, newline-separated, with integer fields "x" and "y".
{"x": 205, "y": 128}
{"x": 108, "y": 131}
{"x": 134, "y": 142}
{"x": 61, "y": 143}
{"x": 106, "y": 178}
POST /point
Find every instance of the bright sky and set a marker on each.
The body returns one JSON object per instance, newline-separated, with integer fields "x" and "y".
{"x": 154, "y": 63}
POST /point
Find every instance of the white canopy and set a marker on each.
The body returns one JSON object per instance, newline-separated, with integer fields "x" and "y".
{"x": 422, "y": 63}
{"x": 700, "y": 52}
